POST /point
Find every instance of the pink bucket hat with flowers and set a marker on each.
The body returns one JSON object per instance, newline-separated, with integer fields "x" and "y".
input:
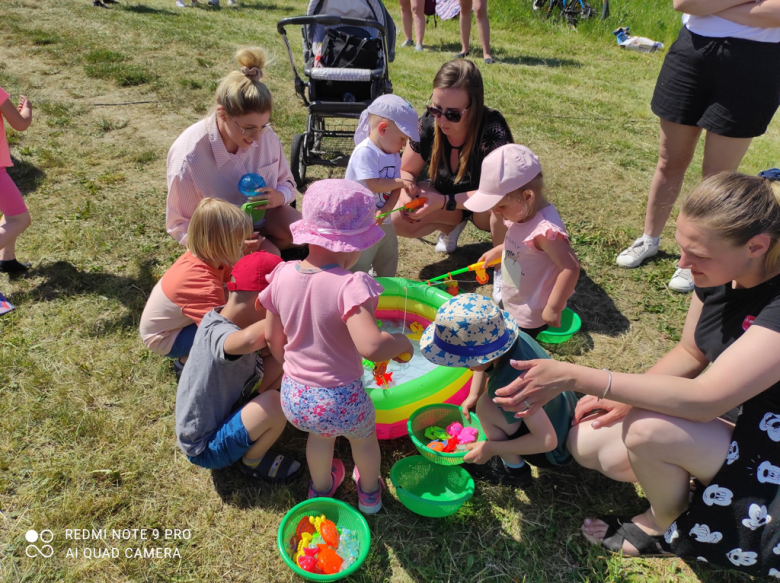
{"x": 338, "y": 215}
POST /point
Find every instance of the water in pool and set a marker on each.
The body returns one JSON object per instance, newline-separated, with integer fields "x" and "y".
{"x": 402, "y": 372}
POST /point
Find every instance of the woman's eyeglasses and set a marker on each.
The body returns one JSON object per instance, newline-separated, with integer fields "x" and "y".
{"x": 452, "y": 115}
{"x": 252, "y": 130}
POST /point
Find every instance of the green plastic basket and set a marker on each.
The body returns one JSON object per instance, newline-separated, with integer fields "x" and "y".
{"x": 441, "y": 414}
{"x": 570, "y": 325}
{"x": 429, "y": 489}
{"x": 344, "y": 515}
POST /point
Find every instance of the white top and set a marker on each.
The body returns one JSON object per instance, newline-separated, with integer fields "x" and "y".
{"x": 199, "y": 166}
{"x": 717, "y": 27}
{"x": 369, "y": 161}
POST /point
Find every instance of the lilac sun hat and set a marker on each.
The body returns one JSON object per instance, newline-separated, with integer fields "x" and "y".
{"x": 469, "y": 330}
{"x": 391, "y": 107}
{"x": 338, "y": 215}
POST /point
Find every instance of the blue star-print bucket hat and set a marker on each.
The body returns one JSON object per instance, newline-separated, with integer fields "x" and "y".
{"x": 469, "y": 330}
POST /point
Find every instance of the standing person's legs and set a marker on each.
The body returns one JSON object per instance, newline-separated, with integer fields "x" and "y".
{"x": 418, "y": 12}
{"x": 16, "y": 217}
{"x": 483, "y": 27}
{"x": 406, "y": 18}
{"x": 722, "y": 154}
{"x": 319, "y": 456}
{"x": 664, "y": 453}
{"x": 675, "y": 152}
{"x": 367, "y": 458}
{"x": 465, "y": 26}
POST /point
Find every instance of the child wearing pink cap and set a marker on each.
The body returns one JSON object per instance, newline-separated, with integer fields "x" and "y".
{"x": 16, "y": 217}
{"x": 539, "y": 268}
{"x": 321, "y": 324}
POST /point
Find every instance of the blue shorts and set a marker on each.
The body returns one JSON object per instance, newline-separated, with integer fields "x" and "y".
{"x": 183, "y": 343}
{"x": 226, "y": 446}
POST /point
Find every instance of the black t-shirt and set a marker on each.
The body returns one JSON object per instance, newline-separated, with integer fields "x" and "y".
{"x": 493, "y": 133}
{"x": 726, "y": 315}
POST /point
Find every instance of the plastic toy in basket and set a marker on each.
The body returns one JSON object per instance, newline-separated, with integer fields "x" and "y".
{"x": 426, "y": 424}
{"x": 323, "y": 539}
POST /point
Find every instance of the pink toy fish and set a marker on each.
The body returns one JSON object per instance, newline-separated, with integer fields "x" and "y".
{"x": 454, "y": 428}
{"x": 468, "y": 435}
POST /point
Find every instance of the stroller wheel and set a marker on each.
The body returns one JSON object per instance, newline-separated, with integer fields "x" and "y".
{"x": 298, "y": 160}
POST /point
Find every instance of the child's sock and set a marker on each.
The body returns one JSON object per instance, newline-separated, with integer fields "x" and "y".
{"x": 513, "y": 468}
{"x": 652, "y": 240}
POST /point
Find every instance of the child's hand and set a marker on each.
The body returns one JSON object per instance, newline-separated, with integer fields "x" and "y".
{"x": 407, "y": 350}
{"x": 25, "y": 107}
{"x": 492, "y": 255}
{"x": 252, "y": 244}
{"x": 479, "y": 452}
{"x": 468, "y": 403}
{"x": 552, "y": 317}
{"x": 410, "y": 186}
{"x": 379, "y": 219}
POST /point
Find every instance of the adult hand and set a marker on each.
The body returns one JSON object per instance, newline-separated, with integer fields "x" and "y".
{"x": 274, "y": 197}
{"x": 252, "y": 244}
{"x": 434, "y": 202}
{"x": 552, "y": 317}
{"x": 600, "y": 412}
{"x": 468, "y": 404}
{"x": 479, "y": 452}
{"x": 488, "y": 256}
{"x": 542, "y": 380}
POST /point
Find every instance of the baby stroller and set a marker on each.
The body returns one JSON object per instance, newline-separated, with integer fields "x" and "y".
{"x": 346, "y": 47}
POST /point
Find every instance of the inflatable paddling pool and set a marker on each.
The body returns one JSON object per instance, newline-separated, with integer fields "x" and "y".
{"x": 404, "y": 302}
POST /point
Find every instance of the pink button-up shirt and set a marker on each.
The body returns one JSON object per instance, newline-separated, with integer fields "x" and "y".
{"x": 199, "y": 166}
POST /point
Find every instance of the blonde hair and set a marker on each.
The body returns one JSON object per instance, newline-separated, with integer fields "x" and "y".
{"x": 217, "y": 232}
{"x": 738, "y": 207}
{"x": 459, "y": 74}
{"x": 241, "y": 92}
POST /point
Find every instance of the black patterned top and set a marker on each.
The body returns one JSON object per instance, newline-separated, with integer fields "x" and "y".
{"x": 494, "y": 132}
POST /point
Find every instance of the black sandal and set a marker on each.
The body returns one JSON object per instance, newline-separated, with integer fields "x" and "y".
{"x": 621, "y": 528}
{"x": 273, "y": 468}
{"x": 494, "y": 472}
{"x": 462, "y": 55}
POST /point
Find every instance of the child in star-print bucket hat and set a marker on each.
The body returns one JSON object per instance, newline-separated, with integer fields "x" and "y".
{"x": 471, "y": 332}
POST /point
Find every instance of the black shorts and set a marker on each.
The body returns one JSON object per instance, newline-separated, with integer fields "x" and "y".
{"x": 728, "y": 86}
{"x": 538, "y": 460}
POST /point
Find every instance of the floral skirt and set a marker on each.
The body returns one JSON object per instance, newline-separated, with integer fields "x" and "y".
{"x": 346, "y": 410}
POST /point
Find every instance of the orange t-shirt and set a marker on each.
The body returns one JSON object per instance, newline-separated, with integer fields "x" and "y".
{"x": 189, "y": 290}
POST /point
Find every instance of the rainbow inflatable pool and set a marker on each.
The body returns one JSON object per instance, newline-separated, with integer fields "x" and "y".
{"x": 407, "y": 300}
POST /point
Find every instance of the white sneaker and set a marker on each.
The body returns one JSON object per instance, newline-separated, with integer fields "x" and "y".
{"x": 180, "y": 4}
{"x": 640, "y": 250}
{"x": 418, "y": 47}
{"x": 231, "y": 2}
{"x": 682, "y": 281}
{"x": 497, "y": 285}
{"x": 448, "y": 243}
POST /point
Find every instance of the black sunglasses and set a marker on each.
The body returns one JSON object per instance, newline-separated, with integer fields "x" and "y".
{"x": 452, "y": 115}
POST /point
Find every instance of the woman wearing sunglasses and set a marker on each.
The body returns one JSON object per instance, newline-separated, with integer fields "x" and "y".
{"x": 209, "y": 158}
{"x": 457, "y": 132}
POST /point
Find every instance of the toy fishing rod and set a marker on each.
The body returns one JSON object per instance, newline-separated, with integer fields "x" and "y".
{"x": 412, "y": 205}
{"x": 479, "y": 268}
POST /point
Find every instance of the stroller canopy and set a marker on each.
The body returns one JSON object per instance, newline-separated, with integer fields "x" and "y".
{"x": 366, "y": 9}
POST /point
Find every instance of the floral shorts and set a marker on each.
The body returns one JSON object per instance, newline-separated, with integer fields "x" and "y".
{"x": 346, "y": 410}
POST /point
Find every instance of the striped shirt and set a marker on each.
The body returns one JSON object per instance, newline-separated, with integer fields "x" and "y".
{"x": 199, "y": 166}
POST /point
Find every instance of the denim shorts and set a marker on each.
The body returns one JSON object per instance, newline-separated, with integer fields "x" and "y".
{"x": 228, "y": 445}
{"x": 183, "y": 343}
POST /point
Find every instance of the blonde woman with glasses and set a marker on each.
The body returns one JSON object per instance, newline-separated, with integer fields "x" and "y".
{"x": 209, "y": 158}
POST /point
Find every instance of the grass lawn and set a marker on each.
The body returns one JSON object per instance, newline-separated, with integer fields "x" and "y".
{"x": 87, "y": 413}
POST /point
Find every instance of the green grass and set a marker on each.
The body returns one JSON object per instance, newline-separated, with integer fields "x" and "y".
{"x": 87, "y": 413}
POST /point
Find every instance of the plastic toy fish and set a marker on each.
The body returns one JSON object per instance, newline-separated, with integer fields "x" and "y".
{"x": 436, "y": 433}
{"x": 417, "y": 330}
{"x": 304, "y": 525}
{"x": 308, "y": 561}
{"x": 468, "y": 435}
{"x": 302, "y": 545}
{"x": 454, "y": 428}
{"x": 450, "y": 446}
{"x": 412, "y": 205}
{"x": 329, "y": 561}
{"x": 329, "y": 533}
{"x": 436, "y": 446}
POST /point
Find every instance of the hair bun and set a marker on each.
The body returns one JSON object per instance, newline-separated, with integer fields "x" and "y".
{"x": 252, "y": 62}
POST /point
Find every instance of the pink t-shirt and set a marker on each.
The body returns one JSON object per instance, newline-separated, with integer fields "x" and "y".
{"x": 314, "y": 308}
{"x": 5, "y": 153}
{"x": 528, "y": 274}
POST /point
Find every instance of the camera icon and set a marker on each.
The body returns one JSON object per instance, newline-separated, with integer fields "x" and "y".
{"x": 45, "y": 550}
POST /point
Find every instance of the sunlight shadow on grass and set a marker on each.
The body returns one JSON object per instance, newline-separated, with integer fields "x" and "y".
{"x": 26, "y": 176}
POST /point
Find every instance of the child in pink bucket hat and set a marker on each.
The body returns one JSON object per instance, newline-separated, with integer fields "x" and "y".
{"x": 321, "y": 324}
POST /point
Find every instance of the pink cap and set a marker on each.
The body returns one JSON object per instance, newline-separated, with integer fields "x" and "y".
{"x": 503, "y": 170}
